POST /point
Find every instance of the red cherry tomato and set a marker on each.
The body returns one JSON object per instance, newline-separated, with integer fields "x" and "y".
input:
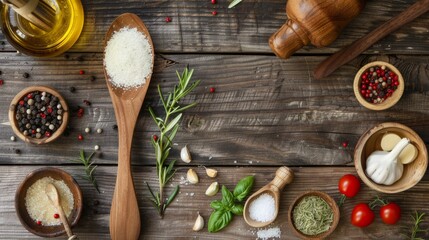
{"x": 390, "y": 213}
{"x": 362, "y": 215}
{"x": 349, "y": 185}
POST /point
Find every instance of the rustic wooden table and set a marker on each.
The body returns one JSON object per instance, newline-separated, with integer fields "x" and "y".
{"x": 265, "y": 113}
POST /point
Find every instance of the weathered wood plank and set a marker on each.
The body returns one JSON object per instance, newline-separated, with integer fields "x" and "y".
{"x": 243, "y": 29}
{"x": 264, "y": 111}
{"x": 181, "y": 214}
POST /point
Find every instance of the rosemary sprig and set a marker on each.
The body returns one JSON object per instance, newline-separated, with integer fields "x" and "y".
{"x": 89, "y": 168}
{"x": 415, "y": 228}
{"x": 168, "y": 127}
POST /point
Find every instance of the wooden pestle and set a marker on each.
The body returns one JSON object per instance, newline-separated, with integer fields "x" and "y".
{"x": 316, "y": 21}
{"x": 346, "y": 54}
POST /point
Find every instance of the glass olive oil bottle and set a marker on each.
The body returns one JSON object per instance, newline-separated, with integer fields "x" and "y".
{"x": 60, "y": 25}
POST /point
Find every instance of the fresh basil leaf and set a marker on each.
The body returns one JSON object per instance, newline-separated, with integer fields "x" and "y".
{"x": 227, "y": 197}
{"x": 237, "y": 209}
{"x": 219, "y": 219}
{"x": 243, "y": 188}
{"x": 216, "y": 205}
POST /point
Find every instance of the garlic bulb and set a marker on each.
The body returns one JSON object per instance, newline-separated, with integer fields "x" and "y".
{"x": 185, "y": 155}
{"x": 199, "y": 223}
{"x": 385, "y": 167}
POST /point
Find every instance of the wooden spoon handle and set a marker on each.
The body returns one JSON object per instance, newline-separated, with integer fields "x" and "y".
{"x": 342, "y": 57}
{"x": 64, "y": 221}
{"x": 284, "y": 176}
{"x": 124, "y": 213}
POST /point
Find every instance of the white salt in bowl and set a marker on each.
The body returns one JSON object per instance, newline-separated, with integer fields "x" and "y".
{"x": 21, "y": 210}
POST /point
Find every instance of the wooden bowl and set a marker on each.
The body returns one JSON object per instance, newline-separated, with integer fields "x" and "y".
{"x": 21, "y": 210}
{"x": 44, "y": 139}
{"x": 370, "y": 142}
{"x": 390, "y": 101}
{"x": 329, "y": 200}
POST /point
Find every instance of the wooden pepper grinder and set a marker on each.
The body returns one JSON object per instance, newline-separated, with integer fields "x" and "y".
{"x": 316, "y": 21}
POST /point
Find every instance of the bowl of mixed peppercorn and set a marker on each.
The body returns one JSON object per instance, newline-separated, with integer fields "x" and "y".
{"x": 38, "y": 114}
{"x": 378, "y": 85}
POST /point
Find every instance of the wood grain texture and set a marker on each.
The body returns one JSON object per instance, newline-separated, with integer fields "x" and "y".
{"x": 245, "y": 28}
{"x": 264, "y": 111}
{"x": 182, "y": 213}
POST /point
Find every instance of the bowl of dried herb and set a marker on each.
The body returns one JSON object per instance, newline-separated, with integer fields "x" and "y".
{"x": 313, "y": 215}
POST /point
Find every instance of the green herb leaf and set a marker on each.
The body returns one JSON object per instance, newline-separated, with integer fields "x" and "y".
{"x": 172, "y": 196}
{"x": 233, "y": 3}
{"x": 219, "y": 219}
{"x": 89, "y": 168}
{"x": 216, "y": 205}
{"x": 243, "y": 188}
{"x": 173, "y": 123}
{"x": 237, "y": 209}
{"x": 227, "y": 197}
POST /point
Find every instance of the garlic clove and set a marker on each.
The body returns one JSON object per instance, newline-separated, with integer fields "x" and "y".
{"x": 199, "y": 223}
{"x": 185, "y": 155}
{"x": 211, "y": 172}
{"x": 212, "y": 189}
{"x": 409, "y": 154}
{"x": 192, "y": 176}
{"x": 388, "y": 141}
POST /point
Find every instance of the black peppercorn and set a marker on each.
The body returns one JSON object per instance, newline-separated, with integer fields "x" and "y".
{"x": 115, "y": 127}
{"x": 17, "y": 151}
{"x": 26, "y": 75}
{"x": 92, "y": 78}
{"x": 72, "y": 89}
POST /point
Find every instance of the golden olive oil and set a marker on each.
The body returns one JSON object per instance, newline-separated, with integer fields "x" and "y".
{"x": 34, "y": 41}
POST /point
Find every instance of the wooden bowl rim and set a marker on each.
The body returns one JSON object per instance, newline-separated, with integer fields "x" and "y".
{"x": 389, "y": 102}
{"x": 329, "y": 200}
{"x": 360, "y": 145}
{"x": 71, "y": 183}
{"x": 13, "y": 121}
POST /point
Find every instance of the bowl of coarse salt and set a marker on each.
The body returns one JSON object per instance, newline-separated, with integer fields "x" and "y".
{"x": 35, "y": 211}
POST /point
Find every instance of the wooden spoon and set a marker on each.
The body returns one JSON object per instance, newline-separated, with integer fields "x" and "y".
{"x": 52, "y": 193}
{"x": 284, "y": 175}
{"x": 124, "y": 213}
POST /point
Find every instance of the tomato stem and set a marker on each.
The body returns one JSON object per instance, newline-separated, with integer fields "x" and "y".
{"x": 378, "y": 202}
{"x": 342, "y": 200}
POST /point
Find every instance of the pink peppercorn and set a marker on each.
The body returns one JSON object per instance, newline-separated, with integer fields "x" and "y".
{"x": 345, "y": 144}
{"x": 155, "y": 138}
{"x": 168, "y": 19}
{"x": 1, "y": 82}
{"x": 39, "y": 223}
{"x": 81, "y": 72}
{"x": 212, "y": 89}
{"x": 56, "y": 215}
{"x": 213, "y": 1}
{"x": 80, "y": 137}
{"x": 214, "y": 13}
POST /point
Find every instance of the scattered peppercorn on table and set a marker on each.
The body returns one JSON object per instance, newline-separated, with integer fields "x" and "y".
{"x": 255, "y": 113}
